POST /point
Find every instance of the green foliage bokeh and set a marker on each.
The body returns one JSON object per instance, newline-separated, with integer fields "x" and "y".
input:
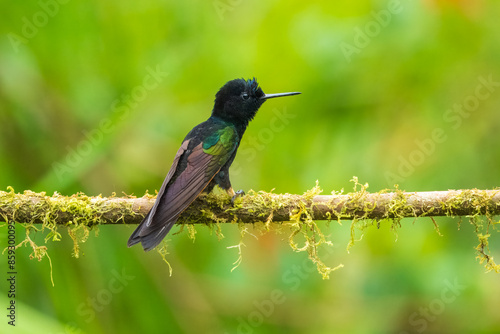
{"x": 96, "y": 97}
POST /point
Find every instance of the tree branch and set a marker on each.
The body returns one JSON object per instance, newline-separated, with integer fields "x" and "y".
{"x": 30, "y": 207}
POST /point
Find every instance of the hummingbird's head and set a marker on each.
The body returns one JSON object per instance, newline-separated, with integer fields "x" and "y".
{"x": 238, "y": 100}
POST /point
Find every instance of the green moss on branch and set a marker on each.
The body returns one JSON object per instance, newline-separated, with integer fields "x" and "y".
{"x": 81, "y": 213}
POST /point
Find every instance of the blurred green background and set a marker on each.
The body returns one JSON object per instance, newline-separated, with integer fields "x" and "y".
{"x": 96, "y": 97}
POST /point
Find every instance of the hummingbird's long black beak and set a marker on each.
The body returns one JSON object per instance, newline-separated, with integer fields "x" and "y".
{"x": 270, "y": 96}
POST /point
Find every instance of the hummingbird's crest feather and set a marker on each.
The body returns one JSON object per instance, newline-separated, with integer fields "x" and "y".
{"x": 253, "y": 84}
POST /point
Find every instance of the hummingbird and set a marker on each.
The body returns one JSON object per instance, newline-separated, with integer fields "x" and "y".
{"x": 204, "y": 158}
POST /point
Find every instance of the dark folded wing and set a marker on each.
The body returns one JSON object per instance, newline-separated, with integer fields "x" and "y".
{"x": 174, "y": 197}
{"x": 145, "y": 225}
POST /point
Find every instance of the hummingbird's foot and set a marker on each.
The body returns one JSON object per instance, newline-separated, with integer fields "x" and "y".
{"x": 236, "y": 195}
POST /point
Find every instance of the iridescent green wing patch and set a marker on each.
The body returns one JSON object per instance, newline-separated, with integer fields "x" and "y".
{"x": 221, "y": 143}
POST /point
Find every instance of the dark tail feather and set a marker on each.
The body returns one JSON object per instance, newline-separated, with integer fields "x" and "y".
{"x": 135, "y": 237}
{"x": 150, "y": 235}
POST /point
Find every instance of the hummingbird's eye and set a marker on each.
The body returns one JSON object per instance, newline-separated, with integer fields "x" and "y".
{"x": 244, "y": 96}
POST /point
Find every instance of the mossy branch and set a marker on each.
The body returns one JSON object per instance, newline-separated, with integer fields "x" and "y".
{"x": 38, "y": 208}
{"x": 299, "y": 212}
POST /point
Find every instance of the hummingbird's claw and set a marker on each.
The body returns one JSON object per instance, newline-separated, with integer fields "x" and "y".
{"x": 236, "y": 195}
